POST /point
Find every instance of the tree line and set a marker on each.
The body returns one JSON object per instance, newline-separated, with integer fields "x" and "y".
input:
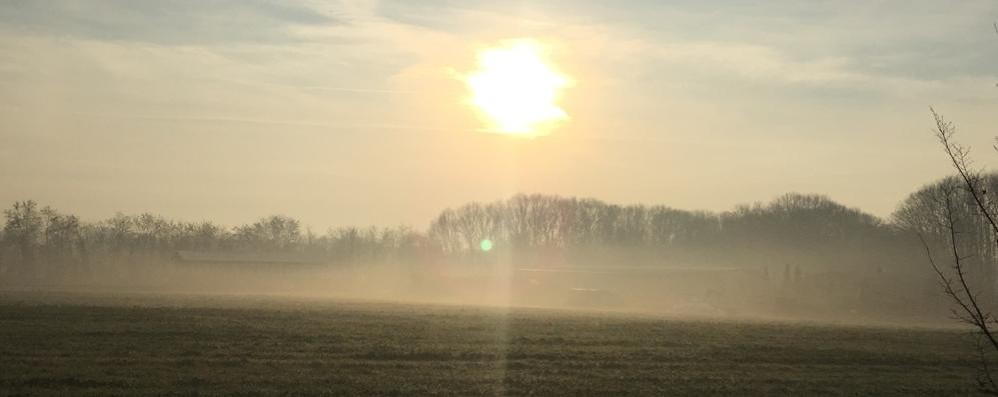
{"x": 811, "y": 231}
{"x": 794, "y": 227}
{"x": 41, "y": 243}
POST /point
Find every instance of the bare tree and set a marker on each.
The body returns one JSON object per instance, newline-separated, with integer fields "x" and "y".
{"x": 24, "y": 228}
{"x": 963, "y": 288}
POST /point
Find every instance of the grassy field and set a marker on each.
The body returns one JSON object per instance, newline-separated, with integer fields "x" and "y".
{"x": 63, "y": 344}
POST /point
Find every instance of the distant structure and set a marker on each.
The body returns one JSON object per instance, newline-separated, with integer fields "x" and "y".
{"x": 244, "y": 259}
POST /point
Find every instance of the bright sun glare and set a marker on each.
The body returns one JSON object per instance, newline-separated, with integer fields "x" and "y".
{"x": 517, "y": 89}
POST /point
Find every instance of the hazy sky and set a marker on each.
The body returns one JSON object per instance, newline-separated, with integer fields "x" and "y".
{"x": 351, "y": 113}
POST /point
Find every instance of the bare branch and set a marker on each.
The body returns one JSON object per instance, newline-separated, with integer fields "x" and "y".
{"x": 985, "y": 380}
{"x": 967, "y": 301}
{"x": 967, "y": 313}
{"x": 959, "y": 157}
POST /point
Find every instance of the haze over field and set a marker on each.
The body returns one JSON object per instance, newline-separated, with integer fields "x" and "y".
{"x": 356, "y": 112}
{"x": 461, "y": 197}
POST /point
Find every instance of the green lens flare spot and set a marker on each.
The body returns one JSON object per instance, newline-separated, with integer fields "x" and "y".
{"x": 486, "y": 245}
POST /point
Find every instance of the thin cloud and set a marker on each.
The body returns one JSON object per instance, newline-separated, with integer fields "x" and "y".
{"x": 184, "y": 22}
{"x": 244, "y": 120}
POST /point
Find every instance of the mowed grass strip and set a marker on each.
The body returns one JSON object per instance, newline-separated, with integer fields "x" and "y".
{"x": 162, "y": 345}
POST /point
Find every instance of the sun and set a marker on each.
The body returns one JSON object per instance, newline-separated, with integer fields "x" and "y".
{"x": 517, "y": 89}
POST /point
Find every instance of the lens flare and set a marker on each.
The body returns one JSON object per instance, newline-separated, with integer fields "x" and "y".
{"x": 486, "y": 245}
{"x": 517, "y": 89}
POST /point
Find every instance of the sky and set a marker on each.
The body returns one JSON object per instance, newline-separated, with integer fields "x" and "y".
{"x": 354, "y": 112}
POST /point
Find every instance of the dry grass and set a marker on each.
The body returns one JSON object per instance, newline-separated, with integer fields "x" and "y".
{"x": 103, "y": 344}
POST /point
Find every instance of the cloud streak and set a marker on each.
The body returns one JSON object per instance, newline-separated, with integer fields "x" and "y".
{"x": 182, "y": 22}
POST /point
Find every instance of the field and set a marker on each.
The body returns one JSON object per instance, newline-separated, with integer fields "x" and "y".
{"x": 78, "y": 344}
